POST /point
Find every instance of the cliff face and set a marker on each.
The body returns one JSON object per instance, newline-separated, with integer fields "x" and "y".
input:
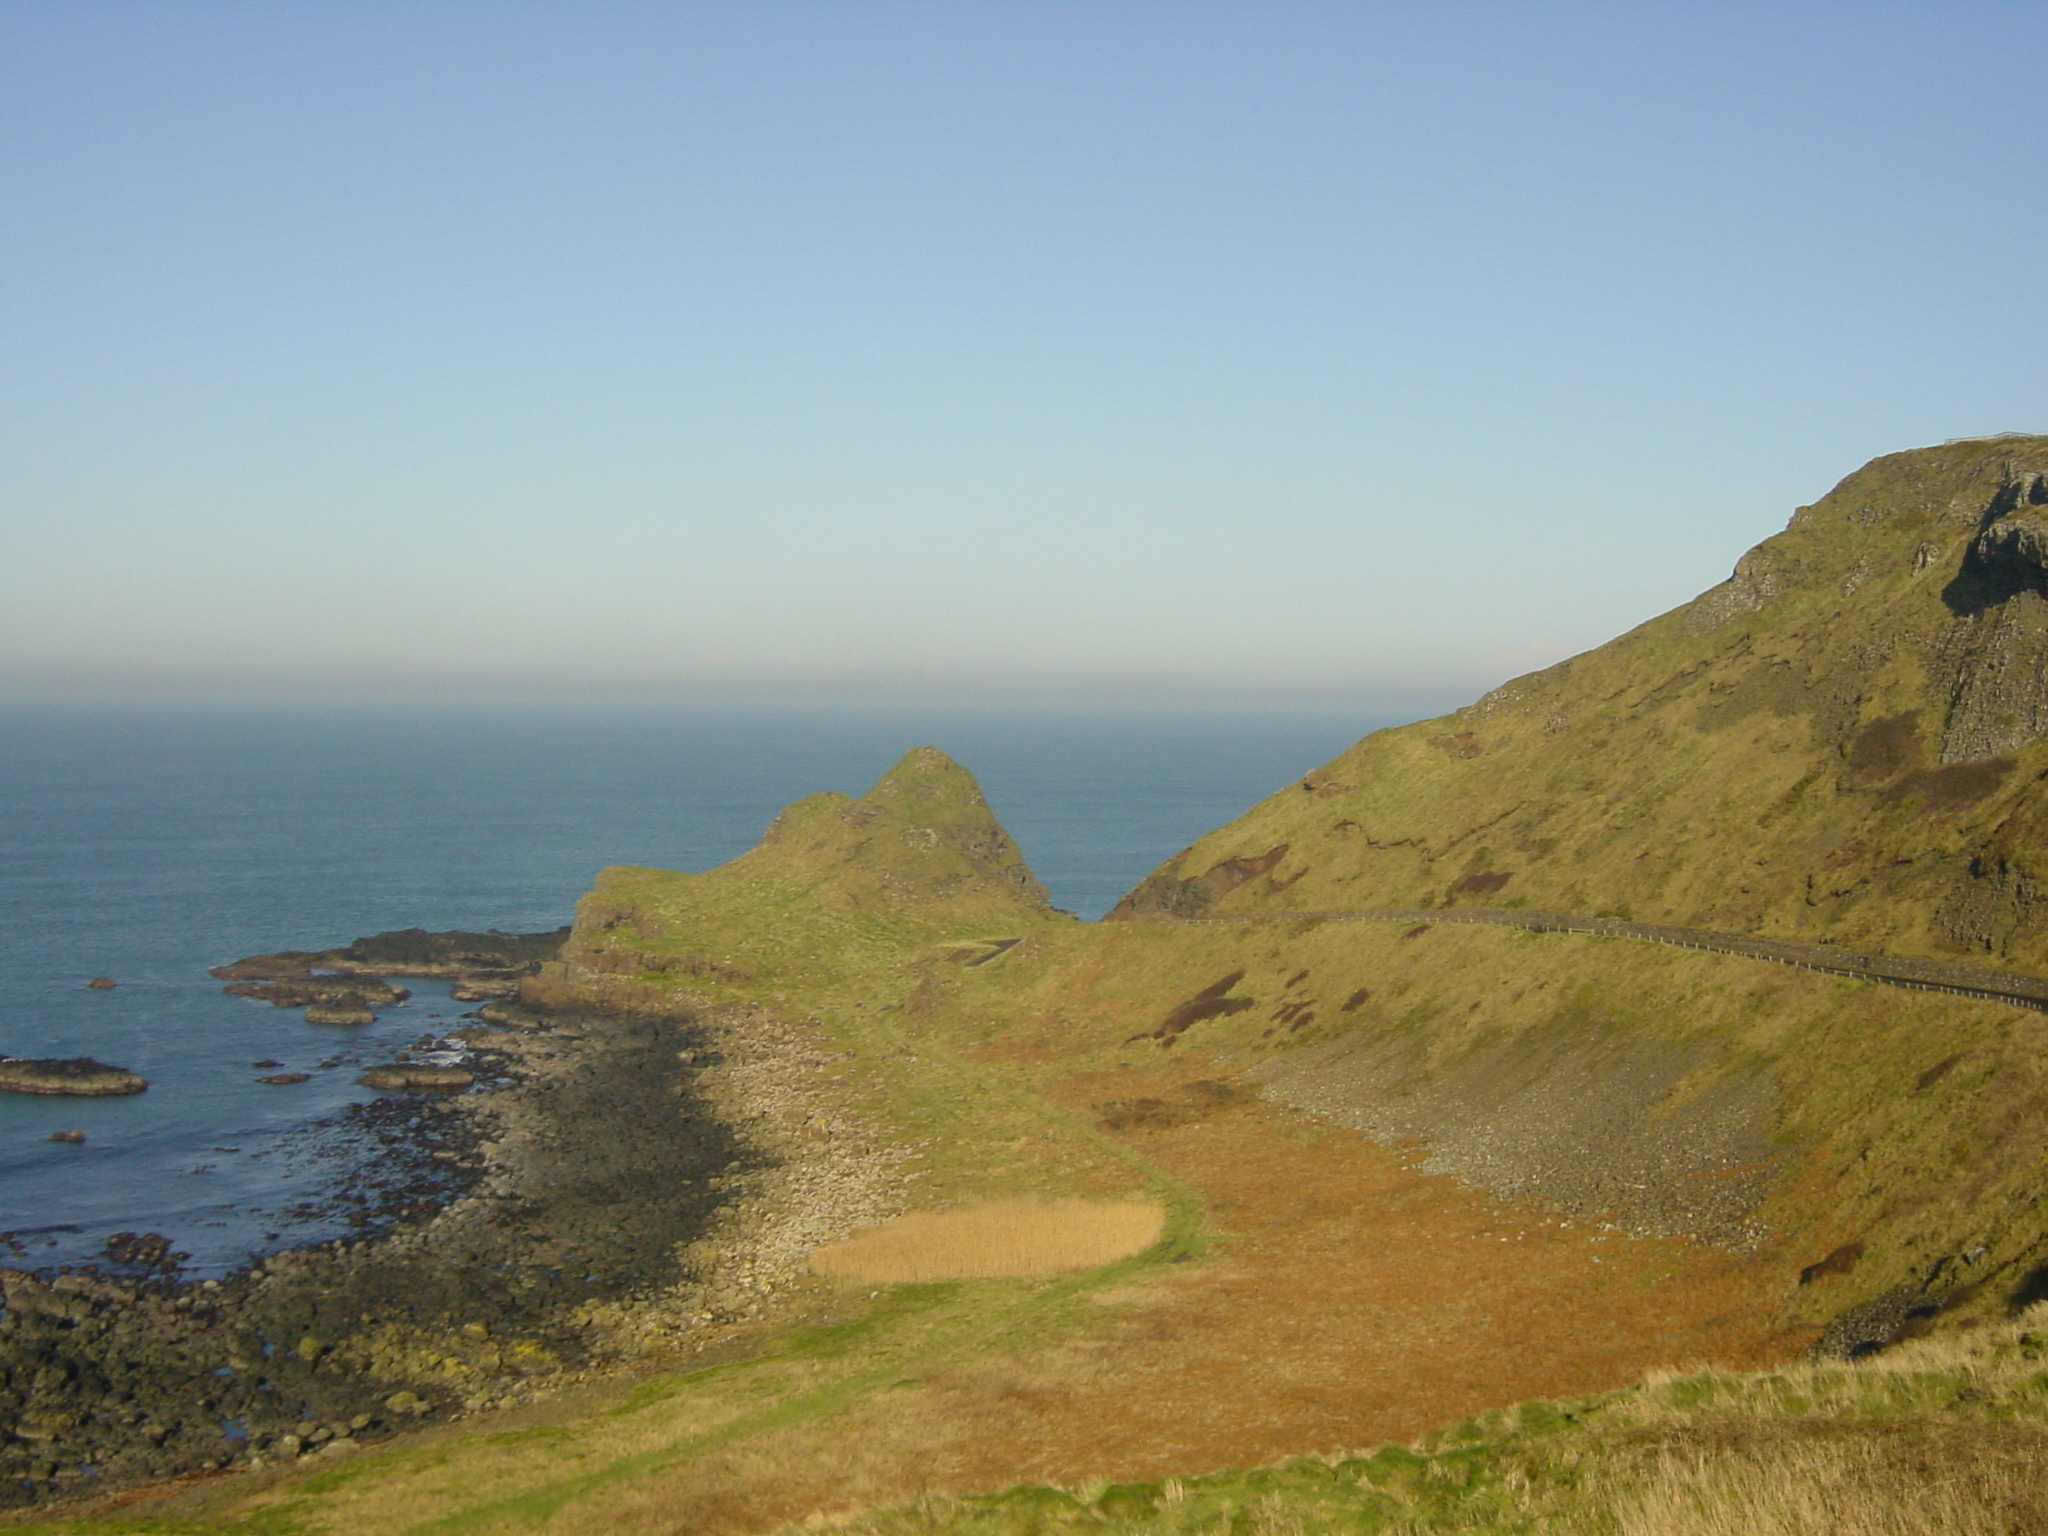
{"x": 1841, "y": 742}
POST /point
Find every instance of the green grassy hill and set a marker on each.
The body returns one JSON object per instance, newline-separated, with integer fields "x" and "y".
{"x": 1841, "y": 742}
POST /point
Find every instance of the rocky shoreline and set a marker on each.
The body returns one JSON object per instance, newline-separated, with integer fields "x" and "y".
{"x": 624, "y": 1181}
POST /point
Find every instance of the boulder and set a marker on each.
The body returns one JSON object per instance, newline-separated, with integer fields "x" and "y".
{"x": 339, "y": 1013}
{"x": 482, "y": 986}
{"x": 507, "y": 1017}
{"x": 400, "y": 1075}
{"x": 101, "y": 984}
{"x": 78, "y": 1077}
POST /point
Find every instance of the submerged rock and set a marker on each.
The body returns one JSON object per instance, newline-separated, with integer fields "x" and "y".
{"x": 147, "y": 1250}
{"x": 70, "y": 1136}
{"x": 283, "y": 1079}
{"x": 101, "y": 984}
{"x": 78, "y": 1077}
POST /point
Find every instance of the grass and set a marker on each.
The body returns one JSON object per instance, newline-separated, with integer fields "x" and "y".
{"x": 1789, "y": 763}
{"x": 1002, "y": 1239}
{"x": 1939, "y": 1438}
{"x": 1866, "y": 1486}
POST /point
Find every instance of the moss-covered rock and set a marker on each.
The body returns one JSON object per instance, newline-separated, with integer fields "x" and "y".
{"x": 77, "y": 1077}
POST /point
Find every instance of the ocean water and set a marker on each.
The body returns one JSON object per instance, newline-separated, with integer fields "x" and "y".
{"x": 146, "y": 845}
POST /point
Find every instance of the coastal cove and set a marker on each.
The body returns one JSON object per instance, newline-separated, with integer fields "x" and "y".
{"x": 147, "y": 845}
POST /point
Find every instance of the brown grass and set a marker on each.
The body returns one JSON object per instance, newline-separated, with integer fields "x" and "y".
{"x": 1002, "y": 1239}
{"x": 1866, "y": 1487}
{"x": 1350, "y": 1300}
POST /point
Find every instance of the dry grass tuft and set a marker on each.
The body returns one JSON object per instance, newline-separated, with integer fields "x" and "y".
{"x": 1866, "y": 1487}
{"x": 1002, "y": 1239}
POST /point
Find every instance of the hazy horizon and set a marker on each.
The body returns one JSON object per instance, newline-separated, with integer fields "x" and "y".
{"x": 1033, "y": 355}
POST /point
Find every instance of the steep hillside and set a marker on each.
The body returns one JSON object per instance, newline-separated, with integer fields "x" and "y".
{"x": 1842, "y": 742}
{"x": 838, "y": 890}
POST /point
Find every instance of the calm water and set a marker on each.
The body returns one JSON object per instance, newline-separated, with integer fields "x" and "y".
{"x": 147, "y": 845}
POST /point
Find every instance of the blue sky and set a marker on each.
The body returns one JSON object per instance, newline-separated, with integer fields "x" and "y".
{"x": 1133, "y": 353}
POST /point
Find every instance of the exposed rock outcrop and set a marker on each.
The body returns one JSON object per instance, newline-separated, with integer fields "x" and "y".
{"x": 77, "y": 1077}
{"x": 344, "y": 1013}
{"x": 404, "y": 952}
{"x": 335, "y": 992}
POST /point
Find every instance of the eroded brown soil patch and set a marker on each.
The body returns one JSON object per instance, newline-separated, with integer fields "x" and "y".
{"x": 1351, "y": 1300}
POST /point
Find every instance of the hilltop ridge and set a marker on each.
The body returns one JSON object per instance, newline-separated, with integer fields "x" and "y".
{"x": 1839, "y": 743}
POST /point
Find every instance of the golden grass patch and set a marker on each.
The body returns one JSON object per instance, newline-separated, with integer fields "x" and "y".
{"x": 1001, "y": 1239}
{"x": 1862, "y": 1488}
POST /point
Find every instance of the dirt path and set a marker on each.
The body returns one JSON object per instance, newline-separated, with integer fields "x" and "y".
{"x": 1351, "y": 1300}
{"x": 1916, "y": 975}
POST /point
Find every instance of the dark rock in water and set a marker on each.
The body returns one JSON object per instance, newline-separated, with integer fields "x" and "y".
{"x": 148, "y": 1250}
{"x": 482, "y": 986}
{"x": 399, "y": 1075}
{"x": 101, "y": 984}
{"x": 78, "y": 1077}
{"x": 407, "y": 952}
{"x": 70, "y": 1136}
{"x": 284, "y": 1078}
{"x": 331, "y": 991}
{"x": 339, "y": 1013}
{"x": 259, "y": 1065}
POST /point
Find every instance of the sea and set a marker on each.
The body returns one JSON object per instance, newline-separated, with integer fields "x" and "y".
{"x": 146, "y": 844}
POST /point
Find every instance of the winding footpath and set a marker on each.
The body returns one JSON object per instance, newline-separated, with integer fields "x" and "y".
{"x": 1921, "y": 975}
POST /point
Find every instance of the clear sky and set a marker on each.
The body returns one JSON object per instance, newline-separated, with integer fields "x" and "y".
{"x": 1362, "y": 354}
